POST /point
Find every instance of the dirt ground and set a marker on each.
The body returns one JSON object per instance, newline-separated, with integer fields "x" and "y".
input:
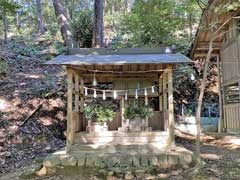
{"x": 220, "y": 153}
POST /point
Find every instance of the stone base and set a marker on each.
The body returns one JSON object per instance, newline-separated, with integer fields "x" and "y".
{"x": 180, "y": 157}
{"x": 122, "y": 137}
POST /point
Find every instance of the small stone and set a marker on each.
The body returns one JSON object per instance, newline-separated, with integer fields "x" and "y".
{"x": 81, "y": 161}
{"x": 163, "y": 160}
{"x": 150, "y": 177}
{"x": 172, "y": 160}
{"x": 154, "y": 161}
{"x": 51, "y": 161}
{"x": 42, "y": 171}
{"x": 128, "y": 175}
{"x": 185, "y": 159}
{"x": 68, "y": 160}
{"x": 185, "y": 166}
{"x": 144, "y": 161}
{"x": 51, "y": 170}
{"x": 90, "y": 161}
{"x": 111, "y": 178}
{"x": 119, "y": 173}
{"x": 112, "y": 162}
{"x": 139, "y": 173}
{"x": 110, "y": 173}
{"x": 99, "y": 162}
{"x": 94, "y": 178}
{"x": 103, "y": 172}
{"x": 136, "y": 161}
{"x": 163, "y": 176}
{"x": 125, "y": 161}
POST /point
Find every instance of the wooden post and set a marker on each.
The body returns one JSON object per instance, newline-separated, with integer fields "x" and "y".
{"x": 82, "y": 121}
{"x": 160, "y": 83}
{"x": 77, "y": 123}
{"x": 220, "y": 122}
{"x": 161, "y": 92}
{"x": 165, "y": 124}
{"x": 70, "y": 128}
{"x": 146, "y": 120}
{"x": 171, "y": 140}
{"x": 122, "y": 103}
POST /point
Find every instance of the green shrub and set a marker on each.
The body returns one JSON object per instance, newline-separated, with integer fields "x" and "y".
{"x": 82, "y": 28}
{"x": 3, "y": 67}
{"x": 100, "y": 113}
{"x": 138, "y": 110}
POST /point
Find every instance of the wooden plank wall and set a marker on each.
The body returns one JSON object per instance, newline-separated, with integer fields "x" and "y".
{"x": 230, "y": 61}
{"x": 156, "y": 122}
{"x": 232, "y": 117}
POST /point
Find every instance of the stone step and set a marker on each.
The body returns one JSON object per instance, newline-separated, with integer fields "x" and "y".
{"x": 120, "y": 140}
{"x": 180, "y": 156}
{"x": 124, "y": 149}
{"x": 121, "y": 137}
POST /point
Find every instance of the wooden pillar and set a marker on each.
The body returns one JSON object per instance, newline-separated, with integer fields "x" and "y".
{"x": 76, "y": 106}
{"x": 220, "y": 122}
{"x": 161, "y": 92}
{"x": 146, "y": 120}
{"x": 122, "y": 106}
{"x": 171, "y": 140}
{"x": 70, "y": 128}
{"x": 165, "y": 106}
{"x": 82, "y": 120}
{"x": 160, "y": 83}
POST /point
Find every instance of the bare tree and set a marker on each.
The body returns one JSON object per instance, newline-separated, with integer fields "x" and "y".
{"x": 41, "y": 25}
{"x": 98, "y": 24}
{"x": 214, "y": 32}
{"x": 63, "y": 23}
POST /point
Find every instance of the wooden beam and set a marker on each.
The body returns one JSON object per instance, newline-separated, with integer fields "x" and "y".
{"x": 122, "y": 107}
{"x": 204, "y": 55}
{"x": 70, "y": 132}
{"x": 111, "y": 51}
{"x": 82, "y": 120}
{"x": 171, "y": 140}
{"x": 76, "y": 106}
{"x": 220, "y": 122}
{"x": 160, "y": 92}
{"x": 165, "y": 115}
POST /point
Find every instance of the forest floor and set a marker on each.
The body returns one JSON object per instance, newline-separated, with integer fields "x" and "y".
{"x": 33, "y": 118}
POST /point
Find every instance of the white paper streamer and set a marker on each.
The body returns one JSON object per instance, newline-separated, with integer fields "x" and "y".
{"x": 153, "y": 90}
{"x": 94, "y": 80}
{"x": 115, "y": 94}
{"x": 95, "y": 93}
{"x": 145, "y": 92}
{"x": 86, "y": 91}
{"x": 136, "y": 94}
{"x": 104, "y": 95}
{"x": 126, "y": 96}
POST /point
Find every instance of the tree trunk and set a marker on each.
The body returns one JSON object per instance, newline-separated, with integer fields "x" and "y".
{"x": 200, "y": 100}
{"x": 5, "y": 24}
{"x": 67, "y": 10}
{"x": 98, "y": 24}
{"x": 41, "y": 25}
{"x": 63, "y": 23}
{"x": 18, "y": 21}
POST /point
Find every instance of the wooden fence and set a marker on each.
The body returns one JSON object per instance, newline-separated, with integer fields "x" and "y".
{"x": 156, "y": 122}
{"x": 232, "y": 117}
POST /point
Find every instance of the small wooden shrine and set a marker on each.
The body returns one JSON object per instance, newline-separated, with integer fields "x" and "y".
{"x": 125, "y": 77}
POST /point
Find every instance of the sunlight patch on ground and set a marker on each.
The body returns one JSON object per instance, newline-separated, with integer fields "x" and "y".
{"x": 210, "y": 156}
{"x": 32, "y": 76}
{"x": 2, "y": 104}
{"x": 46, "y": 121}
{"x": 235, "y": 141}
